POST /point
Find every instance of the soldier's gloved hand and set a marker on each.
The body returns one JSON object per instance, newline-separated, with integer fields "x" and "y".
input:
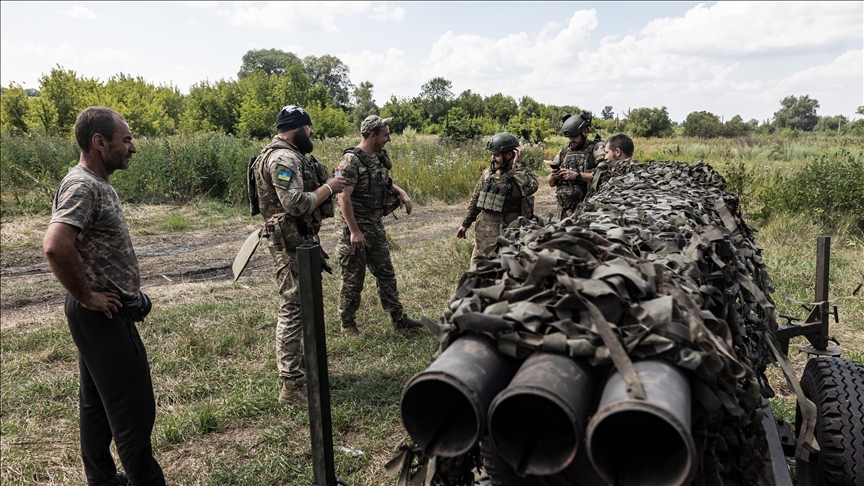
{"x": 324, "y": 257}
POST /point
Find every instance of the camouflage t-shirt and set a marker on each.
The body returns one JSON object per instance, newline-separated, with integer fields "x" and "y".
{"x": 89, "y": 203}
{"x": 357, "y": 176}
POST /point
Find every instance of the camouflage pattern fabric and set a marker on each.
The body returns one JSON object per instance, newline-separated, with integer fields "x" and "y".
{"x": 659, "y": 263}
{"x": 489, "y": 223}
{"x": 603, "y": 172}
{"x": 584, "y": 160}
{"x": 356, "y": 176}
{"x": 353, "y": 263}
{"x": 284, "y": 181}
{"x": 89, "y": 203}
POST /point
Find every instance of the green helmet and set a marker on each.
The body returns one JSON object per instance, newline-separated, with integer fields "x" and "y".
{"x": 502, "y": 142}
{"x": 575, "y": 125}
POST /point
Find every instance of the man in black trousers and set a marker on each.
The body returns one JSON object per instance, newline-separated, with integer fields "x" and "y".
{"x": 89, "y": 249}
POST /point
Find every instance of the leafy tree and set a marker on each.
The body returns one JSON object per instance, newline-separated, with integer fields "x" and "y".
{"x": 607, "y": 113}
{"x": 860, "y": 110}
{"x": 703, "y": 124}
{"x": 736, "y": 127}
{"x": 211, "y": 107}
{"x": 137, "y": 101}
{"x": 327, "y": 120}
{"x": 458, "y": 125}
{"x": 797, "y": 113}
{"x": 500, "y": 108}
{"x": 258, "y": 108}
{"x": 471, "y": 103}
{"x": 333, "y": 74}
{"x": 830, "y": 123}
{"x": 14, "y": 109}
{"x": 404, "y": 112}
{"x": 436, "y": 97}
{"x": 32, "y": 92}
{"x": 364, "y": 105}
{"x": 67, "y": 95}
{"x": 533, "y": 129}
{"x": 271, "y": 61}
{"x": 529, "y": 107}
{"x": 650, "y": 122}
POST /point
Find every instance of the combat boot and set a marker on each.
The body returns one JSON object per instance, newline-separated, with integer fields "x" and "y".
{"x": 408, "y": 324}
{"x": 294, "y": 393}
{"x": 350, "y": 331}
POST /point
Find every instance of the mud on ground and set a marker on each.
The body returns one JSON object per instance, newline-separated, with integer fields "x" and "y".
{"x": 27, "y": 286}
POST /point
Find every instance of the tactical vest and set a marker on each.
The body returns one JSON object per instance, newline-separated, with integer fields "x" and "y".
{"x": 379, "y": 192}
{"x": 314, "y": 176}
{"x": 583, "y": 160}
{"x": 498, "y": 196}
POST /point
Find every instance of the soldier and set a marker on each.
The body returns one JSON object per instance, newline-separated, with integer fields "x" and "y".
{"x": 573, "y": 165}
{"x": 88, "y": 247}
{"x": 369, "y": 196}
{"x": 503, "y": 193}
{"x": 619, "y": 151}
{"x": 294, "y": 196}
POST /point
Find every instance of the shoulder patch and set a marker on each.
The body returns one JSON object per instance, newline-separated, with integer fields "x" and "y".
{"x": 284, "y": 176}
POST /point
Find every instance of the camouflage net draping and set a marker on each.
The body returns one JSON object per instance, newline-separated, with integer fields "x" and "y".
{"x": 659, "y": 258}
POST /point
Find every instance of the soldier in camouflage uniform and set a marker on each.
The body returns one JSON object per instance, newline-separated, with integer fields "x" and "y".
{"x": 369, "y": 195}
{"x": 89, "y": 249}
{"x": 503, "y": 193}
{"x": 294, "y": 196}
{"x": 575, "y": 162}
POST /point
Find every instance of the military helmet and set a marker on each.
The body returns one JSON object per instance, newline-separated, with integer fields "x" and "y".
{"x": 575, "y": 125}
{"x": 502, "y": 142}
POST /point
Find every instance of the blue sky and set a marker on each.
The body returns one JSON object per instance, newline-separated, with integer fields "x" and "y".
{"x": 727, "y": 57}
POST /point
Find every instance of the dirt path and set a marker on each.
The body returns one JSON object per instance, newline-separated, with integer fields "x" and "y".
{"x": 190, "y": 256}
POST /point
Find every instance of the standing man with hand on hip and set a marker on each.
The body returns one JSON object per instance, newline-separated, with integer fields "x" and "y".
{"x": 294, "y": 196}
{"x": 89, "y": 249}
{"x": 369, "y": 195}
{"x": 503, "y": 193}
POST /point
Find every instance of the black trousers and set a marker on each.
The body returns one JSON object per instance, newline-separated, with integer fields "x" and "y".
{"x": 115, "y": 398}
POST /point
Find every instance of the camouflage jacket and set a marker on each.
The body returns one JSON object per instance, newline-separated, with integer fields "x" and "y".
{"x": 368, "y": 209}
{"x": 583, "y": 160}
{"x": 89, "y": 203}
{"x": 285, "y": 180}
{"x": 523, "y": 184}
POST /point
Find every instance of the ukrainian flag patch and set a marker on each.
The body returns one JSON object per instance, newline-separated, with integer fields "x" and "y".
{"x": 284, "y": 176}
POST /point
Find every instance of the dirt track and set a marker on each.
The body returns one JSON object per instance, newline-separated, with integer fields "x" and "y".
{"x": 190, "y": 256}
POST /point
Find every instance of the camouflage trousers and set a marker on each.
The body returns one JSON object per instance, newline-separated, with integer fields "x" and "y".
{"x": 353, "y": 263}
{"x": 289, "y": 328}
{"x": 486, "y": 231}
{"x": 564, "y": 213}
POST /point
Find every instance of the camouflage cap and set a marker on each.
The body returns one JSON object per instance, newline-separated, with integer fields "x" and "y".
{"x": 372, "y": 123}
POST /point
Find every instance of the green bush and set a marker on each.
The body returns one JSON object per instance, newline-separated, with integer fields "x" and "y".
{"x": 828, "y": 186}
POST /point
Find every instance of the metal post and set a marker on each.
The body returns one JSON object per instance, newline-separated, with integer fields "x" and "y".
{"x": 317, "y": 379}
{"x": 823, "y": 259}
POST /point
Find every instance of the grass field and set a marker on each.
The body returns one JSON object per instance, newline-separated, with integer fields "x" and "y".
{"x": 210, "y": 344}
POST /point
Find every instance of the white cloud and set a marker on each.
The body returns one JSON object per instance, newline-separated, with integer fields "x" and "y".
{"x": 825, "y": 83}
{"x": 389, "y": 72}
{"x": 34, "y": 59}
{"x": 305, "y": 16}
{"x": 79, "y": 12}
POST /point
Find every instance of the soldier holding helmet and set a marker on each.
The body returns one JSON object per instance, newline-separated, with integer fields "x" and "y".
{"x": 503, "y": 193}
{"x": 573, "y": 165}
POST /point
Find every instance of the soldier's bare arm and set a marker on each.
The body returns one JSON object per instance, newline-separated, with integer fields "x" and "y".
{"x": 358, "y": 240}
{"x": 65, "y": 262}
{"x": 404, "y": 199}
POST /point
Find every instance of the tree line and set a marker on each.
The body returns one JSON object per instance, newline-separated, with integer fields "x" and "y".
{"x": 271, "y": 78}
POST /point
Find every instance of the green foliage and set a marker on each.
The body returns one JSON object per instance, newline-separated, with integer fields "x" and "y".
{"x": 143, "y": 105}
{"x": 533, "y": 129}
{"x": 607, "y": 113}
{"x": 500, "y": 108}
{"x": 828, "y": 186}
{"x": 798, "y": 113}
{"x": 328, "y": 121}
{"x": 459, "y": 126}
{"x": 471, "y": 103}
{"x": 270, "y": 61}
{"x": 736, "y": 127}
{"x": 331, "y": 73}
{"x": 405, "y": 113}
{"x": 211, "y": 107}
{"x": 364, "y": 105}
{"x": 14, "y": 109}
{"x": 702, "y": 124}
{"x": 435, "y": 98}
{"x": 649, "y": 122}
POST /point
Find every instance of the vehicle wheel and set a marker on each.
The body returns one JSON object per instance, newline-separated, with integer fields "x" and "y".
{"x": 836, "y": 387}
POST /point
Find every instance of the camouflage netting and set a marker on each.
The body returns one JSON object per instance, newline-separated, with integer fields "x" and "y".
{"x": 659, "y": 256}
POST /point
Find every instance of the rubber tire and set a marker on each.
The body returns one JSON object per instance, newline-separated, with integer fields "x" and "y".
{"x": 836, "y": 387}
